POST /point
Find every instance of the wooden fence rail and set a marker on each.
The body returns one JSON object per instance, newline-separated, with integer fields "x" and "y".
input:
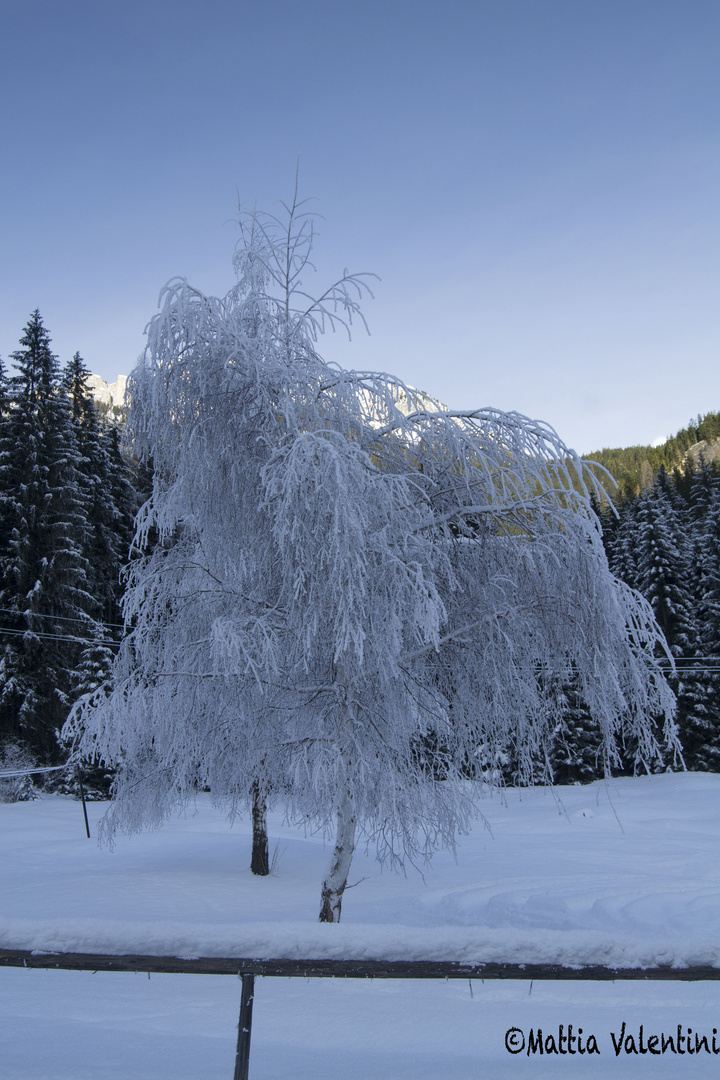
{"x": 248, "y": 967}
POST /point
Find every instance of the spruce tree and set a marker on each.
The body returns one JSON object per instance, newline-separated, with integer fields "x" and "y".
{"x": 667, "y": 545}
{"x": 664, "y": 562}
{"x": 662, "y": 556}
{"x": 576, "y": 754}
{"x": 4, "y": 411}
{"x": 110, "y": 500}
{"x": 47, "y": 609}
{"x": 702, "y": 724}
{"x": 110, "y": 504}
{"x": 620, "y": 543}
{"x": 702, "y": 484}
{"x": 4, "y": 402}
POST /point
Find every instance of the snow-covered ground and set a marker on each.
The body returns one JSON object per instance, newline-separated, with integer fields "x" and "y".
{"x": 621, "y": 874}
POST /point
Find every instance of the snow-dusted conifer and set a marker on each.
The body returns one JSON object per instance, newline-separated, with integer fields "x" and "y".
{"x": 4, "y": 462}
{"x": 620, "y": 542}
{"x": 4, "y": 403}
{"x": 110, "y": 506}
{"x": 576, "y": 749}
{"x": 662, "y": 556}
{"x": 701, "y": 725}
{"x": 43, "y": 573}
{"x": 344, "y": 574}
{"x": 665, "y": 578}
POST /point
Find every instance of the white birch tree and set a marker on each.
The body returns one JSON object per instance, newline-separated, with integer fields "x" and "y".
{"x": 354, "y": 595}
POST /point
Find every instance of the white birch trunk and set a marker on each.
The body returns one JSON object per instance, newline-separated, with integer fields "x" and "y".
{"x": 335, "y": 881}
{"x": 336, "y": 878}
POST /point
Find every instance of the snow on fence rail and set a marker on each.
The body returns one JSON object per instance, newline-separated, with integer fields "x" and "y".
{"x": 248, "y": 967}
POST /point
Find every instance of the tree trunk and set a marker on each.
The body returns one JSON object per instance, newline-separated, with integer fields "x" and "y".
{"x": 259, "y": 863}
{"x": 337, "y": 875}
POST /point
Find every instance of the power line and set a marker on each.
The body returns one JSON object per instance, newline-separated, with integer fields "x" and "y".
{"x": 5, "y": 775}
{"x": 57, "y": 637}
{"x": 55, "y": 618}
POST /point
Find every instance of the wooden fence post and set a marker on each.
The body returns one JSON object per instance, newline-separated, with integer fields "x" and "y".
{"x": 242, "y": 1057}
{"x": 82, "y": 799}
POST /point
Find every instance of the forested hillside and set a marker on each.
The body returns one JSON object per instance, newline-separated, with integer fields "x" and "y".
{"x": 635, "y": 467}
{"x": 665, "y": 542}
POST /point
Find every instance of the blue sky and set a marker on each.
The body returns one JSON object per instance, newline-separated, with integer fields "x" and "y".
{"x": 535, "y": 181}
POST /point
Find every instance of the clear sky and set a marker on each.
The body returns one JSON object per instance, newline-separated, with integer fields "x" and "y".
{"x": 537, "y": 183}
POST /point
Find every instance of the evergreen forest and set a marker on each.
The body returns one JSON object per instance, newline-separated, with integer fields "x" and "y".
{"x": 634, "y": 467}
{"x": 665, "y": 543}
{"x": 68, "y": 498}
{"x": 69, "y": 494}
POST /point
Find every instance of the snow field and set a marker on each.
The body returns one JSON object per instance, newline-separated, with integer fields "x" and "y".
{"x": 625, "y": 871}
{"x": 112, "y": 1026}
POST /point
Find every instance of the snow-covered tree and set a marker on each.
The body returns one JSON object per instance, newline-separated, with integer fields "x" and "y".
{"x": 3, "y": 389}
{"x": 351, "y": 590}
{"x": 620, "y": 539}
{"x": 44, "y": 598}
{"x": 701, "y": 723}
{"x": 110, "y": 504}
{"x": 576, "y": 751}
{"x": 4, "y": 410}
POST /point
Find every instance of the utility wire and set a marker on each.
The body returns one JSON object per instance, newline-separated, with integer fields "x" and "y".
{"x": 681, "y": 667}
{"x": 58, "y": 637}
{"x": 55, "y": 618}
{"x": 30, "y": 772}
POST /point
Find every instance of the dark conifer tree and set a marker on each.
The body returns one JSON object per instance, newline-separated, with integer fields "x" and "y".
{"x": 4, "y": 411}
{"x": 667, "y": 545}
{"x": 96, "y": 656}
{"x": 111, "y": 504}
{"x": 701, "y": 484}
{"x": 702, "y": 724}
{"x": 662, "y": 555}
{"x": 4, "y": 463}
{"x": 665, "y": 578}
{"x": 109, "y": 497}
{"x": 47, "y": 609}
{"x": 4, "y": 402}
{"x": 127, "y": 492}
{"x": 576, "y": 749}
{"x": 620, "y": 543}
